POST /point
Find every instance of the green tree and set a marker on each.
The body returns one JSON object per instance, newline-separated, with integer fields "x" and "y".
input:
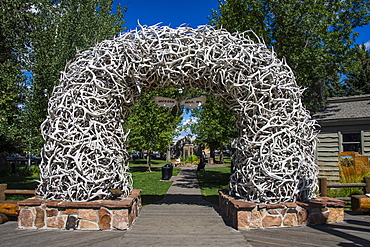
{"x": 215, "y": 126}
{"x": 153, "y": 127}
{"x": 13, "y": 28}
{"x": 357, "y": 81}
{"x": 59, "y": 30}
{"x": 314, "y": 36}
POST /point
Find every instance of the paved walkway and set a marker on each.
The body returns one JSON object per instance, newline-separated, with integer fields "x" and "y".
{"x": 183, "y": 218}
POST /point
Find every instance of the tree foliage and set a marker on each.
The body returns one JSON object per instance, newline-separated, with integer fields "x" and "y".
{"x": 314, "y": 36}
{"x": 13, "y": 26}
{"x": 215, "y": 125}
{"x": 357, "y": 81}
{"x": 153, "y": 127}
{"x": 44, "y": 35}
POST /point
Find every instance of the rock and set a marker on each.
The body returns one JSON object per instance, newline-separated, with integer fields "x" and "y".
{"x": 290, "y": 220}
{"x": 72, "y": 223}
{"x": 269, "y": 221}
{"x": 104, "y": 219}
{"x": 3, "y": 218}
{"x": 88, "y": 225}
{"x": 87, "y": 214}
{"x": 120, "y": 219}
{"x": 40, "y": 218}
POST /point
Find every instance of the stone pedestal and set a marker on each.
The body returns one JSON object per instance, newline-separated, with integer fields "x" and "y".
{"x": 246, "y": 215}
{"x": 36, "y": 213}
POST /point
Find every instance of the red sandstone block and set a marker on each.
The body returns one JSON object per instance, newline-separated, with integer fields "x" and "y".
{"x": 40, "y": 217}
{"x": 88, "y": 225}
{"x": 289, "y": 204}
{"x": 87, "y": 214}
{"x": 31, "y": 202}
{"x": 244, "y": 218}
{"x": 104, "y": 219}
{"x": 69, "y": 211}
{"x": 243, "y": 205}
{"x": 120, "y": 219}
{"x": 290, "y": 220}
{"x": 53, "y": 203}
{"x": 275, "y": 205}
{"x": 126, "y": 203}
{"x": 270, "y": 221}
{"x": 93, "y": 204}
{"x": 26, "y": 218}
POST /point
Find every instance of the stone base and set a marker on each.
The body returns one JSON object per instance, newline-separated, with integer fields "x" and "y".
{"x": 36, "y": 213}
{"x": 246, "y": 215}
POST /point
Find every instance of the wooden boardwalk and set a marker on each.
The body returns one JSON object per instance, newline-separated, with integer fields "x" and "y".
{"x": 183, "y": 218}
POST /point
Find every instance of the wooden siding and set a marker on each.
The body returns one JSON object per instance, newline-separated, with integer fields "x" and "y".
{"x": 327, "y": 156}
{"x": 366, "y": 134}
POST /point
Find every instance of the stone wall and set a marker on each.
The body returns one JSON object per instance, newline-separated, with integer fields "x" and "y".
{"x": 95, "y": 215}
{"x": 246, "y": 215}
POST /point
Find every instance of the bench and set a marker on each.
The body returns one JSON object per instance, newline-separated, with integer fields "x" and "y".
{"x": 360, "y": 203}
{"x": 10, "y": 208}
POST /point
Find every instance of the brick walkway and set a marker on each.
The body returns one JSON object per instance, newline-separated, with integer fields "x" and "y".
{"x": 183, "y": 218}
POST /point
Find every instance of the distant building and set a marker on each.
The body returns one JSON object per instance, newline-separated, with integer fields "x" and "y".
{"x": 345, "y": 127}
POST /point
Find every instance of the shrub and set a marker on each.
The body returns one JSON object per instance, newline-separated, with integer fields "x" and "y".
{"x": 192, "y": 159}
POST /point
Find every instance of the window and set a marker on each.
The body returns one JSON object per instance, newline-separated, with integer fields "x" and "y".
{"x": 351, "y": 142}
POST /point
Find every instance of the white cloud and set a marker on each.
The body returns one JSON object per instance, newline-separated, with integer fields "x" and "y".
{"x": 190, "y": 120}
{"x": 367, "y": 45}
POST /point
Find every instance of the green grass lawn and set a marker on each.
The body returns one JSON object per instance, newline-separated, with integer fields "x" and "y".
{"x": 213, "y": 180}
{"x": 142, "y": 162}
{"x": 153, "y": 189}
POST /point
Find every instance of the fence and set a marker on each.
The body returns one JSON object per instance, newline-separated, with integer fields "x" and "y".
{"x": 323, "y": 187}
{"x": 4, "y": 191}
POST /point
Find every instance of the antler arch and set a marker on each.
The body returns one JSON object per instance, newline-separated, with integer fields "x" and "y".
{"x": 84, "y": 155}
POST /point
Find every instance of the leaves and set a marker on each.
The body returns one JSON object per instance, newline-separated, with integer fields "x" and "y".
{"x": 315, "y": 36}
{"x": 216, "y": 124}
{"x": 152, "y": 127}
{"x": 41, "y": 36}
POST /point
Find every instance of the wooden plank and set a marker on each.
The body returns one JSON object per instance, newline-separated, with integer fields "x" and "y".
{"x": 346, "y": 185}
{"x": 19, "y": 192}
{"x": 328, "y": 135}
{"x": 2, "y": 190}
{"x": 327, "y": 149}
{"x": 327, "y": 159}
{"x": 327, "y": 141}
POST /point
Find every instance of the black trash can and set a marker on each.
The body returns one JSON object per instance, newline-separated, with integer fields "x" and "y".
{"x": 167, "y": 172}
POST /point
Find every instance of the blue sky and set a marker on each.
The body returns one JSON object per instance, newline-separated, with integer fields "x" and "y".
{"x": 190, "y": 12}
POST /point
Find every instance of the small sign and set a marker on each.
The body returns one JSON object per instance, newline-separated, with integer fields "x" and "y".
{"x": 188, "y": 103}
{"x": 194, "y": 102}
{"x": 165, "y": 102}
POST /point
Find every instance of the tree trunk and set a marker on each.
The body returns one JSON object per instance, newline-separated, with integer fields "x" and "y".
{"x": 168, "y": 156}
{"x": 221, "y": 154}
{"x": 212, "y": 152}
{"x": 149, "y": 161}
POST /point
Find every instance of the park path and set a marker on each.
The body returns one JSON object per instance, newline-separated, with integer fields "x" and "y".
{"x": 182, "y": 218}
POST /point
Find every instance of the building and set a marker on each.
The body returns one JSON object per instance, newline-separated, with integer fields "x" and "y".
{"x": 345, "y": 127}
